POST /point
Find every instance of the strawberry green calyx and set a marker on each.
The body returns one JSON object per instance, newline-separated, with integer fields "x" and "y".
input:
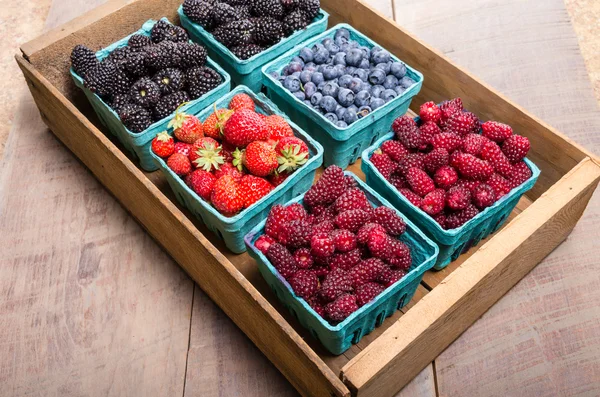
{"x": 209, "y": 157}
{"x": 238, "y": 159}
{"x": 291, "y": 158}
{"x": 164, "y": 136}
{"x": 179, "y": 119}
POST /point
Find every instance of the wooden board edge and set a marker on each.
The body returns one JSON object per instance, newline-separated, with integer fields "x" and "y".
{"x": 419, "y": 336}
{"x": 235, "y": 295}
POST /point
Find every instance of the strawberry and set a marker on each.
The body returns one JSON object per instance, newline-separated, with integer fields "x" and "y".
{"x": 447, "y": 140}
{"x": 367, "y": 292}
{"x": 260, "y": 158}
{"x": 304, "y": 283}
{"x": 180, "y": 164}
{"x": 384, "y": 164}
{"x": 263, "y": 243}
{"x": 291, "y": 153}
{"x": 201, "y": 182}
{"x": 394, "y": 149}
{"x": 214, "y": 124}
{"x": 496, "y": 131}
{"x": 163, "y": 145}
{"x": 445, "y": 177}
{"x": 342, "y": 308}
{"x": 186, "y": 127}
{"x": 516, "y": 148}
{"x": 483, "y": 196}
{"x": 229, "y": 169}
{"x": 226, "y": 196}
{"x": 471, "y": 167}
{"x": 519, "y": 174}
{"x": 253, "y": 188}
{"x": 434, "y": 202}
{"x": 419, "y": 181}
{"x": 278, "y": 127}
{"x": 435, "y": 159}
{"x": 277, "y": 179}
{"x": 462, "y": 124}
{"x": 459, "y": 218}
{"x": 244, "y": 127}
{"x": 458, "y": 198}
{"x": 430, "y": 112}
{"x": 183, "y": 148}
{"x": 411, "y": 196}
{"x": 206, "y": 154}
{"x": 491, "y": 152}
{"x": 241, "y": 101}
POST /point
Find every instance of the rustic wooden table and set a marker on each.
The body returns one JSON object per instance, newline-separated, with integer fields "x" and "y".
{"x": 90, "y": 305}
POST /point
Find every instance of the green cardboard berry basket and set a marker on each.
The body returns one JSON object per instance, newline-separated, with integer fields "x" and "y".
{"x": 138, "y": 143}
{"x": 233, "y": 229}
{"x": 343, "y": 146}
{"x": 338, "y": 338}
{"x": 248, "y": 71}
{"x": 451, "y": 242}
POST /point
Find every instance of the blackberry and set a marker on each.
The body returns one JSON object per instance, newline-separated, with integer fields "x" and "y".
{"x": 224, "y": 13}
{"x": 192, "y": 54}
{"x": 135, "y": 64}
{"x": 268, "y": 30}
{"x": 235, "y": 33}
{"x": 121, "y": 81}
{"x": 169, "y": 80}
{"x": 243, "y": 11}
{"x": 163, "y": 55}
{"x": 145, "y": 92}
{"x": 139, "y": 41}
{"x": 294, "y": 21}
{"x": 164, "y": 31}
{"x": 289, "y": 5}
{"x": 200, "y": 80}
{"x": 100, "y": 79}
{"x": 135, "y": 117}
{"x": 169, "y": 103}
{"x": 83, "y": 59}
{"x": 200, "y": 12}
{"x": 247, "y": 51}
{"x": 119, "y": 55}
{"x": 268, "y": 8}
{"x": 118, "y": 101}
{"x": 238, "y": 2}
{"x": 310, "y": 8}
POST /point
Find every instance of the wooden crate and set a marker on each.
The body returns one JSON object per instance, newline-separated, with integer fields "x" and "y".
{"x": 446, "y": 303}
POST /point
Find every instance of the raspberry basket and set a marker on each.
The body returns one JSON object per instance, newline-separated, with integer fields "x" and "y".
{"x": 338, "y": 338}
{"x": 248, "y": 71}
{"x": 138, "y": 143}
{"x": 343, "y": 146}
{"x": 233, "y": 229}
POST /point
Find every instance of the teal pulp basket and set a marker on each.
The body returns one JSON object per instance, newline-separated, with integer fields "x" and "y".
{"x": 452, "y": 242}
{"x": 343, "y": 146}
{"x": 338, "y": 338}
{"x": 232, "y": 229}
{"x": 138, "y": 143}
{"x": 248, "y": 71}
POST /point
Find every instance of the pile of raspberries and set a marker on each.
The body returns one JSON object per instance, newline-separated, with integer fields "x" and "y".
{"x": 336, "y": 251}
{"x": 449, "y": 164}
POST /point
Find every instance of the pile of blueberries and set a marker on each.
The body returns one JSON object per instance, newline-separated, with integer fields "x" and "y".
{"x": 343, "y": 80}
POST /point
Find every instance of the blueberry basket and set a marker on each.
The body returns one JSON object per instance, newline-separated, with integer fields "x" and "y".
{"x": 248, "y": 71}
{"x": 232, "y": 229}
{"x": 138, "y": 143}
{"x": 343, "y": 146}
{"x": 338, "y": 338}
{"x": 454, "y": 242}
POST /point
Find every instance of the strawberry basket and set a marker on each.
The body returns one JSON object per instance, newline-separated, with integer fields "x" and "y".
{"x": 233, "y": 229}
{"x": 138, "y": 143}
{"x": 343, "y": 145}
{"x": 338, "y": 338}
{"x": 248, "y": 71}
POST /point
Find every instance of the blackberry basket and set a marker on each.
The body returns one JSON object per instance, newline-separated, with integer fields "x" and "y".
{"x": 138, "y": 143}
{"x": 454, "y": 242}
{"x": 338, "y": 338}
{"x": 232, "y": 229}
{"x": 248, "y": 71}
{"x": 343, "y": 146}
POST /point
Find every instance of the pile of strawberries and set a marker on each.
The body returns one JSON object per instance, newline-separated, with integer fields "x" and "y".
{"x": 236, "y": 157}
{"x": 450, "y": 164}
{"x": 336, "y": 251}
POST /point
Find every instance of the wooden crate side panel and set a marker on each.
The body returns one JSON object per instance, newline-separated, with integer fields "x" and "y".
{"x": 206, "y": 265}
{"x": 442, "y": 315}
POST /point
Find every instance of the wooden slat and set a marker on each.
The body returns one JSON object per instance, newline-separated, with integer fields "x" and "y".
{"x": 429, "y": 327}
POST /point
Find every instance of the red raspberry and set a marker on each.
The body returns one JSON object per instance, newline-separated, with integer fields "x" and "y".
{"x": 462, "y": 124}
{"x": 398, "y": 181}
{"x": 321, "y": 245}
{"x": 459, "y": 218}
{"x": 419, "y": 181}
{"x": 473, "y": 143}
{"x": 335, "y": 284}
{"x": 263, "y": 243}
{"x": 483, "y": 196}
{"x": 401, "y": 257}
{"x": 345, "y": 260}
{"x": 317, "y": 305}
{"x": 458, "y": 197}
{"x": 304, "y": 283}
{"x": 276, "y": 218}
{"x": 350, "y": 182}
{"x": 496, "y": 131}
{"x": 389, "y": 277}
{"x": 341, "y": 309}
{"x": 455, "y": 157}
{"x": 471, "y": 167}
{"x": 520, "y": 173}
{"x": 450, "y": 107}
{"x": 429, "y": 111}
{"x": 295, "y": 234}
{"x": 412, "y": 160}
{"x": 390, "y": 220}
{"x": 179, "y": 164}
{"x": 366, "y": 271}
{"x": 471, "y": 185}
{"x": 492, "y": 153}
{"x": 364, "y": 232}
{"x": 428, "y": 131}
{"x": 447, "y": 140}
{"x": 328, "y": 188}
{"x": 500, "y": 185}
{"x": 403, "y": 124}
{"x": 384, "y": 164}
{"x": 183, "y": 148}
{"x": 516, "y": 148}
{"x": 445, "y": 177}
{"x": 379, "y": 244}
{"x": 352, "y": 220}
{"x": 282, "y": 260}
{"x": 435, "y": 159}
{"x": 440, "y": 219}
{"x": 394, "y": 149}
{"x": 352, "y": 199}
{"x": 411, "y": 138}
{"x": 303, "y": 258}
{"x": 434, "y": 202}
{"x": 411, "y": 196}
{"x": 367, "y": 292}
{"x": 323, "y": 227}
{"x": 296, "y": 211}
{"x": 344, "y": 240}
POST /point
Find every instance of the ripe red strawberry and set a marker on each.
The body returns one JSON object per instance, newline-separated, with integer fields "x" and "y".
{"x": 201, "y": 182}
{"x": 458, "y": 197}
{"x": 471, "y": 167}
{"x": 304, "y": 283}
{"x": 244, "y": 127}
{"x": 496, "y": 131}
{"x": 341, "y": 309}
{"x": 365, "y": 231}
{"x": 291, "y": 153}
{"x": 433, "y": 203}
{"x": 384, "y": 164}
{"x": 435, "y": 159}
{"x": 366, "y": 271}
{"x": 500, "y": 185}
{"x": 352, "y": 219}
{"x": 483, "y": 196}
{"x": 379, "y": 244}
{"x": 411, "y": 196}
{"x": 321, "y": 245}
{"x": 462, "y": 124}
{"x": 327, "y": 189}
{"x": 394, "y": 149}
{"x": 447, "y": 140}
{"x": 419, "y": 181}
{"x": 335, "y": 284}
{"x": 303, "y": 258}
{"x": 367, "y": 292}
{"x": 215, "y": 123}
{"x": 473, "y": 143}
{"x": 344, "y": 240}
{"x": 390, "y": 220}
{"x": 352, "y": 199}
{"x": 401, "y": 257}
{"x": 183, "y": 148}
{"x": 180, "y": 164}
{"x": 278, "y": 127}
{"x": 445, "y": 177}
{"x": 228, "y": 169}
{"x": 241, "y": 101}
{"x": 253, "y": 188}
{"x": 516, "y": 148}
{"x": 415, "y": 160}
{"x": 277, "y": 179}
{"x": 440, "y": 219}
{"x": 459, "y": 218}
{"x": 520, "y": 173}
{"x": 163, "y": 145}
{"x": 428, "y": 131}
{"x": 345, "y": 260}
{"x": 186, "y": 127}
{"x": 226, "y": 196}
{"x": 260, "y": 158}
{"x": 492, "y": 153}
{"x": 403, "y": 125}
{"x": 389, "y": 277}
{"x": 281, "y": 258}
{"x": 429, "y": 111}
{"x": 206, "y": 154}
{"x": 263, "y": 243}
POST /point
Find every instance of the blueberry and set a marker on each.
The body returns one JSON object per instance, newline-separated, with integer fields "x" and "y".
{"x": 390, "y": 82}
{"x": 292, "y": 83}
{"x": 300, "y": 95}
{"x": 381, "y": 57}
{"x": 310, "y": 65}
{"x": 342, "y": 33}
{"x": 309, "y": 89}
{"x": 281, "y": 79}
{"x": 365, "y": 64}
{"x": 317, "y": 78}
{"x": 344, "y": 46}
{"x": 305, "y": 76}
{"x": 306, "y": 54}
{"x": 321, "y": 85}
{"x": 295, "y": 74}
{"x": 388, "y": 95}
{"x": 361, "y": 74}
{"x": 399, "y": 90}
{"x": 341, "y": 124}
{"x": 384, "y": 66}
{"x": 350, "y": 116}
{"x": 326, "y": 41}
{"x": 345, "y": 97}
{"x": 355, "y": 84}
{"x": 284, "y": 71}
{"x": 377, "y": 76}
{"x": 316, "y": 98}
{"x": 332, "y": 48}
{"x": 321, "y": 56}
{"x": 341, "y": 69}
{"x": 366, "y": 86}
{"x": 340, "y": 112}
{"x": 350, "y": 70}
{"x": 298, "y": 60}
{"x": 330, "y": 89}
{"x": 308, "y": 103}
{"x": 328, "y": 104}
{"x": 294, "y": 67}
{"x": 352, "y": 108}
{"x": 330, "y": 72}
{"x": 316, "y": 47}
{"x": 354, "y": 57}
{"x": 377, "y": 90}
{"x": 339, "y": 59}
{"x": 363, "y": 98}
{"x": 331, "y": 117}
{"x": 366, "y": 52}
{"x": 377, "y": 103}
{"x": 353, "y": 44}
{"x": 344, "y": 81}
{"x": 364, "y": 111}
{"x": 406, "y": 82}
{"x": 375, "y": 49}
{"x": 398, "y": 69}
